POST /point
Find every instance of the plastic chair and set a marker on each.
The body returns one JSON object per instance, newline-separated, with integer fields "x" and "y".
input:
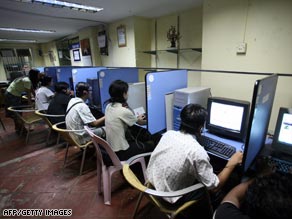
{"x": 43, "y": 114}
{"x": 27, "y": 116}
{"x": 156, "y": 197}
{"x": 67, "y": 135}
{"x": 105, "y": 172}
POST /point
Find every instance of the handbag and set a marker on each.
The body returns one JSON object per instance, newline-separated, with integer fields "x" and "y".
{"x": 138, "y": 134}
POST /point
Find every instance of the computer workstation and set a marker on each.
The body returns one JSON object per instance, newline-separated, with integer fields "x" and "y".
{"x": 280, "y": 154}
{"x": 250, "y": 138}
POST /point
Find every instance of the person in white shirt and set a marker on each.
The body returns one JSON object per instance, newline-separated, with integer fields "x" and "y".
{"x": 179, "y": 161}
{"x": 43, "y": 94}
{"x": 78, "y": 115}
{"x": 118, "y": 119}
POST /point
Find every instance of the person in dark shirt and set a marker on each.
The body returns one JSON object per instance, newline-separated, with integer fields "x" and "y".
{"x": 59, "y": 103}
{"x": 268, "y": 196}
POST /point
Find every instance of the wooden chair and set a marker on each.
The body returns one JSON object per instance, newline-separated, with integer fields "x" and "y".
{"x": 105, "y": 172}
{"x": 67, "y": 135}
{"x": 46, "y": 117}
{"x": 27, "y": 117}
{"x": 156, "y": 197}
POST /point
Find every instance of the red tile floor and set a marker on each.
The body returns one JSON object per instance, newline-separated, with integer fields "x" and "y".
{"x": 32, "y": 177}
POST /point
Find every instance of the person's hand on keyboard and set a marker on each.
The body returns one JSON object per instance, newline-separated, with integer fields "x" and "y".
{"x": 235, "y": 159}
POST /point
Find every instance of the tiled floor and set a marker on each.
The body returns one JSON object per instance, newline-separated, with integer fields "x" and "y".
{"x": 32, "y": 176}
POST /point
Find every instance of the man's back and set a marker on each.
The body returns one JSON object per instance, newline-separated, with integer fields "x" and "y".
{"x": 78, "y": 115}
{"x": 177, "y": 162}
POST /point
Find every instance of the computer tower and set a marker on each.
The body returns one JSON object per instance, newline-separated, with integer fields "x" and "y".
{"x": 184, "y": 96}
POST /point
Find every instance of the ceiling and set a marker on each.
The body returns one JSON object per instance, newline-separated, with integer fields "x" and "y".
{"x": 66, "y": 22}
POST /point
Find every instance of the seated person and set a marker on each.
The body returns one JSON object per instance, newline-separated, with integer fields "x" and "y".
{"x": 268, "y": 196}
{"x": 43, "y": 94}
{"x": 78, "y": 115}
{"x": 179, "y": 161}
{"x": 118, "y": 118}
{"x": 59, "y": 102}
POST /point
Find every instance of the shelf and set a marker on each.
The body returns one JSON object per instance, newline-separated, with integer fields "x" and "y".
{"x": 172, "y": 50}
{"x": 150, "y": 52}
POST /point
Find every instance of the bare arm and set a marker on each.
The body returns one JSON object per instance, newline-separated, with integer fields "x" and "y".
{"x": 236, "y": 195}
{"x": 98, "y": 122}
{"x": 226, "y": 172}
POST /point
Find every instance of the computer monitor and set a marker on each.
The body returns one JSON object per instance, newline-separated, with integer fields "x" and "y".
{"x": 282, "y": 140}
{"x": 260, "y": 112}
{"x": 94, "y": 92}
{"x": 227, "y": 117}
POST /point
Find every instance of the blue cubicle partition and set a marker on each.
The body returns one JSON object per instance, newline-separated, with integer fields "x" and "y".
{"x": 158, "y": 84}
{"x": 107, "y": 76}
{"x": 51, "y": 71}
{"x": 82, "y": 74}
{"x": 65, "y": 74}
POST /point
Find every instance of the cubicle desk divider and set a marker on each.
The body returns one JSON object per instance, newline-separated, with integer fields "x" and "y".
{"x": 82, "y": 74}
{"x": 65, "y": 74}
{"x": 52, "y": 72}
{"x": 107, "y": 76}
{"x": 158, "y": 84}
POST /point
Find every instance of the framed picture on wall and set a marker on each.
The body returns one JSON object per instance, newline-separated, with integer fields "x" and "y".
{"x": 122, "y": 39}
{"x": 76, "y": 55}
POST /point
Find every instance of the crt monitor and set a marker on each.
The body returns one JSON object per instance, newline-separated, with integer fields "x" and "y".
{"x": 227, "y": 117}
{"x": 282, "y": 140}
{"x": 260, "y": 112}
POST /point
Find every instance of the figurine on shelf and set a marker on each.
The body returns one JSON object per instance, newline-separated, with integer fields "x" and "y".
{"x": 173, "y": 36}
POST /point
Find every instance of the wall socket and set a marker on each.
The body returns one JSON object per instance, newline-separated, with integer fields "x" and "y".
{"x": 241, "y": 48}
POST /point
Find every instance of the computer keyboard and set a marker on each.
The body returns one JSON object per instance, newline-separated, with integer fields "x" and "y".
{"x": 281, "y": 166}
{"x": 217, "y": 147}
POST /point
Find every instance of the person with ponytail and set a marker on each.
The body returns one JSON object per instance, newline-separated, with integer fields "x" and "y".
{"x": 119, "y": 117}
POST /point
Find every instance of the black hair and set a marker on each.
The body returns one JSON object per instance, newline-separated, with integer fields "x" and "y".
{"x": 34, "y": 77}
{"x": 270, "y": 196}
{"x": 116, "y": 92}
{"x": 80, "y": 88}
{"x": 193, "y": 117}
{"x": 46, "y": 80}
{"x": 61, "y": 87}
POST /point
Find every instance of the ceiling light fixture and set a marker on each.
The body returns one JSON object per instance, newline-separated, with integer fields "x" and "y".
{"x": 56, "y": 3}
{"x": 17, "y": 41}
{"x": 26, "y": 30}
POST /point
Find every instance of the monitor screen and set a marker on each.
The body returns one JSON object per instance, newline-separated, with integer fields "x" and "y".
{"x": 260, "y": 112}
{"x": 282, "y": 140}
{"x": 227, "y": 117}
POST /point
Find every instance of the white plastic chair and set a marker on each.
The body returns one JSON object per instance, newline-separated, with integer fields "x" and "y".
{"x": 105, "y": 172}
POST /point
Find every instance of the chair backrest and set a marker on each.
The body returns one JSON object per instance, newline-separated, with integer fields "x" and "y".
{"x": 43, "y": 114}
{"x": 67, "y": 134}
{"x": 26, "y": 113}
{"x": 156, "y": 196}
{"x": 99, "y": 142}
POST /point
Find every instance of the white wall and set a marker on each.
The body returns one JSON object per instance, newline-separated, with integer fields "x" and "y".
{"x": 121, "y": 56}
{"x": 265, "y": 25}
